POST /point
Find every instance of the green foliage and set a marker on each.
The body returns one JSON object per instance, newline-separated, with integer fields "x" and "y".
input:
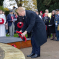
{"x": 7, "y": 35}
{"x": 47, "y": 4}
{"x": 16, "y": 35}
{"x": 1, "y": 2}
{"x": 1, "y": 8}
{"x": 7, "y": 12}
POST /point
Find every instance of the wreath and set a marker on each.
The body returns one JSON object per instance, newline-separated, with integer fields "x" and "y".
{"x": 1, "y": 20}
{"x": 20, "y": 24}
{"x": 23, "y": 38}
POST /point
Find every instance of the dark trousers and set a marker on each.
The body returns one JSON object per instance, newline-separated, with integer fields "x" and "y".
{"x": 35, "y": 49}
{"x": 57, "y": 33}
{"x": 8, "y": 29}
{"x": 48, "y": 32}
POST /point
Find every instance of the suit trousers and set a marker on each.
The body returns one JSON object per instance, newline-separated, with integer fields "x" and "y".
{"x": 35, "y": 49}
{"x": 11, "y": 29}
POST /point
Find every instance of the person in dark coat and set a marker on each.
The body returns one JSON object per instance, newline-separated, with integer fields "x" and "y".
{"x": 20, "y": 19}
{"x": 46, "y": 20}
{"x": 56, "y": 20}
{"x": 52, "y": 25}
{"x": 11, "y": 23}
{"x": 36, "y": 25}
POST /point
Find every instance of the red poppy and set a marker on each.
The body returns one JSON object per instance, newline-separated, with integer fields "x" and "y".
{"x": 53, "y": 16}
{"x": 20, "y": 24}
{"x": 2, "y": 20}
{"x": 23, "y": 38}
{"x": 13, "y": 45}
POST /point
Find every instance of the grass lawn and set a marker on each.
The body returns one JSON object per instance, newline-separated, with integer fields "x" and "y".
{"x": 15, "y": 35}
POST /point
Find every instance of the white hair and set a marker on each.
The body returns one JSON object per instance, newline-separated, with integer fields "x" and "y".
{"x": 47, "y": 10}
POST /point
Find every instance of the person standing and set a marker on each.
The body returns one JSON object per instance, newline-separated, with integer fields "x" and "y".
{"x": 41, "y": 15}
{"x": 46, "y": 20}
{"x": 52, "y": 25}
{"x": 46, "y": 11}
{"x": 11, "y": 23}
{"x": 2, "y": 24}
{"x": 57, "y": 24}
{"x": 33, "y": 23}
{"x": 16, "y": 15}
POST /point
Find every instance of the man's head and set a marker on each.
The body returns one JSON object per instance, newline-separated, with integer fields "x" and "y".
{"x": 21, "y": 11}
{"x": 0, "y": 11}
{"x": 46, "y": 11}
{"x": 53, "y": 12}
{"x": 56, "y": 11}
{"x": 36, "y": 11}
{"x": 46, "y": 14}
{"x": 3, "y": 12}
{"x": 41, "y": 13}
{"x": 11, "y": 12}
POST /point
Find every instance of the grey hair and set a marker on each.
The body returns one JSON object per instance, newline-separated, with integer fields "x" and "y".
{"x": 54, "y": 11}
{"x": 47, "y": 10}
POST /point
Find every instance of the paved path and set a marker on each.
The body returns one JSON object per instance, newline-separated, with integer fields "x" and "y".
{"x": 49, "y": 50}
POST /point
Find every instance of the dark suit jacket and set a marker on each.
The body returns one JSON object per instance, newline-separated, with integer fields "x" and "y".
{"x": 20, "y": 19}
{"x": 9, "y": 19}
{"x": 35, "y": 24}
{"x": 52, "y": 20}
{"x": 52, "y": 28}
{"x": 46, "y": 21}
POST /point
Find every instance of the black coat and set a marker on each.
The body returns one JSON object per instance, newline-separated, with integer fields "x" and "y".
{"x": 36, "y": 25}
{"x": 20, "y": 19}
{"x": 46, "y": 21}
{"x": 52, "y": 28}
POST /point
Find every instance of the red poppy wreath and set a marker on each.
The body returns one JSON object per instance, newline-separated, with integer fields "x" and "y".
{"x": 1, "y": 20}
{"x": 23, "y": 38}
{"x": 20, "y": 24}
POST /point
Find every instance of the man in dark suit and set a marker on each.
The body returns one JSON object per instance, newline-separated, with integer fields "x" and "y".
{"x": 36, "y": 25}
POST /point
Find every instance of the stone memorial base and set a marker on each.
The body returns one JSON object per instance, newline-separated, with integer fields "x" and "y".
{"x": 18, "y": 42}
{"x": 10, "y": 52}
{"x": 2, "y": 53}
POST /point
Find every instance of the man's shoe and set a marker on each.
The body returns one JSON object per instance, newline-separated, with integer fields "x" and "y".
{"x": 56, "y": 40}
{"x": 30, "y": 55}
{"x": 51, "y": 39}
{"x": 35, "y": 56}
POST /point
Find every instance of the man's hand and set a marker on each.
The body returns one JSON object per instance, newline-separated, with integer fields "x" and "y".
{"x": 20, "y": 30}
{"x": 24, "y": 33}
{"x": 11, "y": 21}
